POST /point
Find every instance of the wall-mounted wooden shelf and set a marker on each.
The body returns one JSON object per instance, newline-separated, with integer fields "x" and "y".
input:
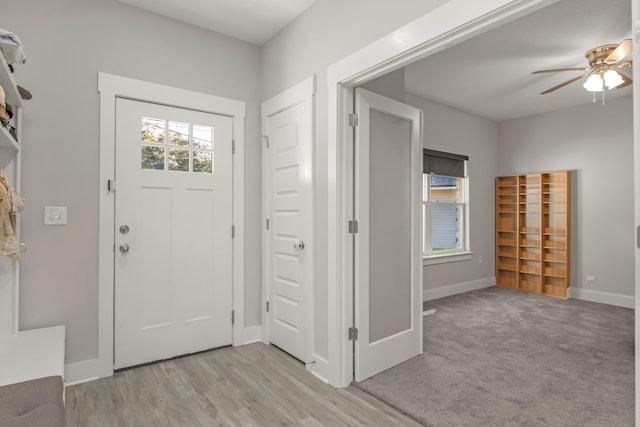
{"x": 538, "y": 225}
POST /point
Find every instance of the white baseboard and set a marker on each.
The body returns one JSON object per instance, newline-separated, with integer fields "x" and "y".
{"x": 252, "y": 334}
{"x": 619, "y": 300}
{"x": 81, "y": 372}
{"x": 457, "y": 288}
{"x": 319, "y": 368}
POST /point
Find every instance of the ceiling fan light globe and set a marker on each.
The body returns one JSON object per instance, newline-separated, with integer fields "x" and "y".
{"x": 593, "y": 83}
{"x": 612, "y": 79}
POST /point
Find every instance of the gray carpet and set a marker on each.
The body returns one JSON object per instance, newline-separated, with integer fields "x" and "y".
{"x": 499, "y": 357}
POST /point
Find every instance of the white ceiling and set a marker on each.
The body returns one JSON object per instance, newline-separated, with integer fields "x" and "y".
{"x": 490, "y": 75}
{"x": 254, "y": 21}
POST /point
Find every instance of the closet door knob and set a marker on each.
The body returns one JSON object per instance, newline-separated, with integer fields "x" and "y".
{"x": 124, "y": 248}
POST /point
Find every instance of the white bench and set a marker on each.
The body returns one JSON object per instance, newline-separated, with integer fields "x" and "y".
{"x": 32, "y": 354}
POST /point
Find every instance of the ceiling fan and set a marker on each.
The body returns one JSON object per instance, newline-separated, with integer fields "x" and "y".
{"x": 603, "y": 60}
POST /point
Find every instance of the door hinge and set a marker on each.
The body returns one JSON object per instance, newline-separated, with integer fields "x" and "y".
{"x": 267, "y": 306}
{"x": 267, "y": 224}
{"x": 233, "y": 231}
{"x": 111, "y": 185}
{"x": 353, "y": 120}
{"x": 353, "y": 227}
{"x": 265, "y": 138}
{"x": 233, "y": 317}
{"x": 353, "y": 334}
{"x": 233, "y": 146}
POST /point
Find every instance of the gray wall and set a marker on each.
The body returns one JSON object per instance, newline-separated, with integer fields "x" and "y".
{"x": 322, "y": 35}
{"x": 597, "y": 143}
{"x": 452, "y": 130}
{"x": 67, "y": 43}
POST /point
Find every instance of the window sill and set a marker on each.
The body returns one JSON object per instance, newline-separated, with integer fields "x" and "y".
{"x": 441, "y": 259}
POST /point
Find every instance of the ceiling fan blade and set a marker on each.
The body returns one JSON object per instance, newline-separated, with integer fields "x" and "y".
{"x": 627, "y": 81}
{"x": 563, "y": 84}
{"x": 561, "y": 69}
{"x": 619, "y": 53}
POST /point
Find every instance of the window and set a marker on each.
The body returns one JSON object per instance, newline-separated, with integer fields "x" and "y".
{"x": 445, "y": 204}
{"x": 176, "y": 146}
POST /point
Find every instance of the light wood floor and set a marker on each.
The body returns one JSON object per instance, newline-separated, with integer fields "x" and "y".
{"x": 253, "y": 385}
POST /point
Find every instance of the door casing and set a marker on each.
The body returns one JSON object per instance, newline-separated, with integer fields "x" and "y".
{"x": 111, "y": 87}
{"x": 451, "y": 23}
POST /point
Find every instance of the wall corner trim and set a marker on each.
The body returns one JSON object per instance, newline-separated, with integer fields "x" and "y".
{"x": 319, "y": 368}
{"x": 458, "y": 288}
{"x": 252, "y": 334}
{"x": 81, "y": 372}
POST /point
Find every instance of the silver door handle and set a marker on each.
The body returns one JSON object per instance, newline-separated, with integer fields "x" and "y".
{"x": 298, "y": 246}
{"x": 124, "y": 248}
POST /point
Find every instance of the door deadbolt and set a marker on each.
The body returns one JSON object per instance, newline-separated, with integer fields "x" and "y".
{"x": 124, "y": 229}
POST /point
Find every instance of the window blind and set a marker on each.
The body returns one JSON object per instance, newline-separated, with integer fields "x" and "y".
{"x": 441, "y": 163}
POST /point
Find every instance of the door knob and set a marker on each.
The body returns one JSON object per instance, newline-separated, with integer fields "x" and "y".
{"x": 299, "y": 245}
{"x": 124, "y": 248}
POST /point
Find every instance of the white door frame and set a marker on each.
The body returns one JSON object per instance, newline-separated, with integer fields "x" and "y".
{"x": 297, "y": 94}
{"x": 451, "y": 23}
{"x": 635, "y": 13}
{"x": 111, "y": 87}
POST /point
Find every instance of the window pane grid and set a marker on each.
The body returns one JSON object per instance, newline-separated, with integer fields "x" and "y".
{"x": 444, "y": 214}
{"x": 176, "y": 146}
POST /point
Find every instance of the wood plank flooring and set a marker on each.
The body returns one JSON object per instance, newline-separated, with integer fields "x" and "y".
{"x": 253, "y": 385}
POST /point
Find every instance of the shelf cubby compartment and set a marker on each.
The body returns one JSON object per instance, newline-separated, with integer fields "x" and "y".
{"x": 506, "y": 222}
{"x": 505, "y": 208}
{"x": 554, "y": 269}
{"x": 507, "y": 191}
{"x": 507, "y": 181}
{"x": 555, "y": 287}
{"x": 507, "y": 279}
{"x": 530, "y": 253}
{"x": 507, "y": 251}
{"x": 529, "y": 243}
{"x": 529, "y": 282}
{"x": 529, "y": 267}
{"x": 550, "y": 178}
{"x": 505, "y": 263}
{"x": 555, "y": 255}
{"x": 554, "y": 197}
{"x": 554, "y": 242}
{"x": 507, "y": 238}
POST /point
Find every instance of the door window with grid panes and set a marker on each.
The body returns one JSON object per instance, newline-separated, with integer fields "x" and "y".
{"x": 176, "y": 146}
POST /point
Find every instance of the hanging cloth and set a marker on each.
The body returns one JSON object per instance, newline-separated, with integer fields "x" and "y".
{"x": 10, "y": 204}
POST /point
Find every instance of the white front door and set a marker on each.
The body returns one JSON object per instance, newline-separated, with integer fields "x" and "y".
{"x": 388, "y": 256}
{"x": 173, "y": 251}
{"x": 289, "y": 198}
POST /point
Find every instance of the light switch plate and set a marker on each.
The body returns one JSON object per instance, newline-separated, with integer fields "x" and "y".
{"x": 55, "y": 215}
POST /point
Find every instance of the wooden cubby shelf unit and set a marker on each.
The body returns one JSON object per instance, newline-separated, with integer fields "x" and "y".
{"x": 532, "y": 232}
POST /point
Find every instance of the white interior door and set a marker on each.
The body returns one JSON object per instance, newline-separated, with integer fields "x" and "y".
{"x": 173, "y": 252}
{"x": 388, "y": 270}
{"x": 289, "y": 200}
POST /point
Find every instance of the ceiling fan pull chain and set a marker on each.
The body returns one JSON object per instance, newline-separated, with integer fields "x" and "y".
{"x": 594, "y": 97}
{"x": 603, "y": 91}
